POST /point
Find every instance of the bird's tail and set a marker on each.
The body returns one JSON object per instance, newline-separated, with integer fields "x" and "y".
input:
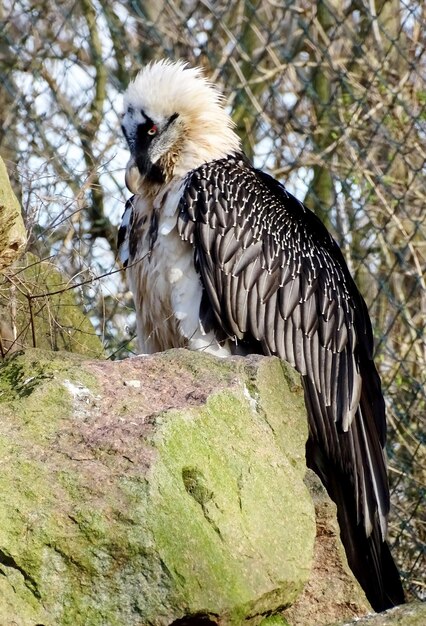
{"x": 369, "y": 556}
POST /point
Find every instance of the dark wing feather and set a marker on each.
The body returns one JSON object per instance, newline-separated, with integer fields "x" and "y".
{"x": 274, "y": 275}
{"x": 124, "y": 232}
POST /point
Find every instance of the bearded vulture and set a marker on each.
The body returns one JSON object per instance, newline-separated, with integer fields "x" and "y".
{"x": 222, "y": 258}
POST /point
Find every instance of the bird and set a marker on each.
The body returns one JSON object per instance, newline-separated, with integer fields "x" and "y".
{"x": 221, "y": 258}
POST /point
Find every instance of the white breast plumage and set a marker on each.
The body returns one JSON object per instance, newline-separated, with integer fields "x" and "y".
{"x": 165, "y": 284}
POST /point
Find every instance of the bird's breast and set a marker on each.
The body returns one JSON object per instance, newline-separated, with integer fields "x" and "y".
{"x": 166, "y": 286}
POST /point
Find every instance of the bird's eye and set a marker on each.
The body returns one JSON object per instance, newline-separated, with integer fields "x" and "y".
{"x": 152, "y": 130}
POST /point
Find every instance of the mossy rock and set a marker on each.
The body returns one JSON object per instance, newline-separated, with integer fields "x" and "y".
{"x": 150, "y": 491}
{"x": 48, "y": 313}
{"x": 12, "y": 230}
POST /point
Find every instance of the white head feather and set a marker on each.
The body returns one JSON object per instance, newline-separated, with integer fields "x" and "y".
{"x": 164, "y": 88}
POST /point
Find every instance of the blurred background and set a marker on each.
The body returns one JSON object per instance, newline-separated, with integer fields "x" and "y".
{"x": 328, "y": 96}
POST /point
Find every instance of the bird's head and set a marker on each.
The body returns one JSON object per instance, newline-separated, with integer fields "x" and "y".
{"x": 173, "y": 121}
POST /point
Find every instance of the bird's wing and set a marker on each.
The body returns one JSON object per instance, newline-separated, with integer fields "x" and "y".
{"x": 274, "y": 274}
{"x": 123, "y": 237}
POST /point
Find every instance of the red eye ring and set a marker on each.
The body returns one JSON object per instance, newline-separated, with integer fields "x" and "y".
{"x": 153, "y": 130}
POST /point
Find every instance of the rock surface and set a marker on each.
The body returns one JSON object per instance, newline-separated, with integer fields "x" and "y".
{"x": 12, "y": 230}
{"x": 48, "y": 313}
{"x": 143, "y": 491}
{"x": 161, "y": 490}
{"x": 413, "y": 614}
{"x": 331, "y": 591}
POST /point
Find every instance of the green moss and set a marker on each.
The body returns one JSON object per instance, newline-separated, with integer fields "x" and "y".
{"x": 195, "y": 484}
{"x": 274, "y": 620}
{"x": 32, "y": 390}
{"x": 54, "y": 320}
{"x": 24, "y": 372}
{"x": 282, "y": 401}
{"x": 36, "y": 500}
{"x": 239, "y": 552}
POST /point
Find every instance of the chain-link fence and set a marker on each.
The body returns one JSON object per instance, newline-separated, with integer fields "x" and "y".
{"x": 328, "y": 96}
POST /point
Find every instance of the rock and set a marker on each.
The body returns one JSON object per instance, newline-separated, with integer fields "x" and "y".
{"x": 331, "y": 593}
{"x": 413, "y": 614}
{"x": 147, "y": 505}
{"x": 161, "y": 490}
{"x": 48, "y": 314}
{"x": 12, "y": 230}
{"x": 43, "y": 311}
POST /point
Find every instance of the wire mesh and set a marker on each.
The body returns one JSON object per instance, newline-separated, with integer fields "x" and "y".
{"x": 327, "y": 96}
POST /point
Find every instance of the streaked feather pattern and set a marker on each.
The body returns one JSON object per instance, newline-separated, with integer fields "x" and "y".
{"x": 280, "y": 247}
